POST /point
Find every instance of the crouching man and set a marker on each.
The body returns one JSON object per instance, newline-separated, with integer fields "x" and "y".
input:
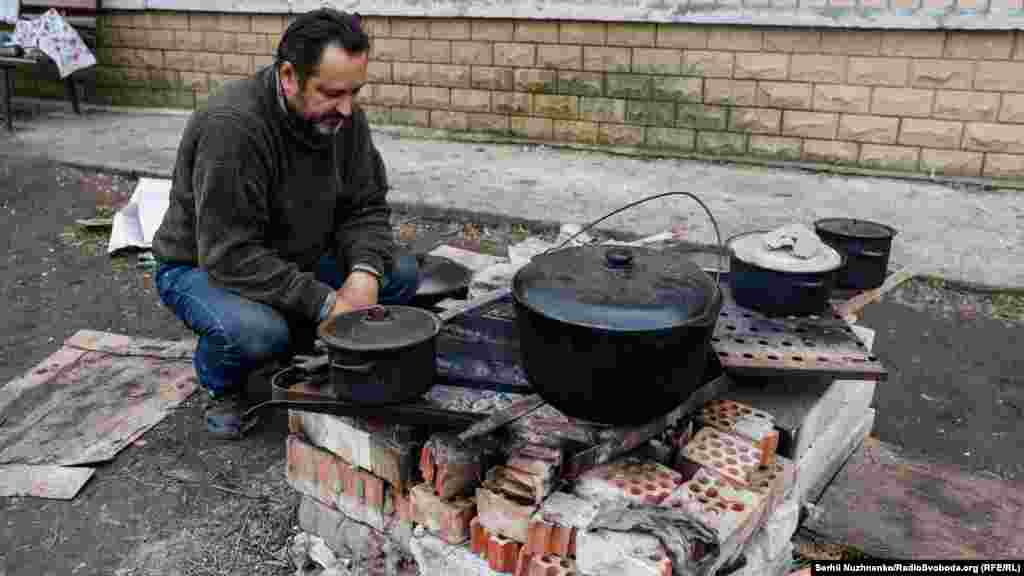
{"x": 278, "y": 217}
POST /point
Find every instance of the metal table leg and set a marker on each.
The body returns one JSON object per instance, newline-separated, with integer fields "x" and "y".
{"x": 8, "y": 93}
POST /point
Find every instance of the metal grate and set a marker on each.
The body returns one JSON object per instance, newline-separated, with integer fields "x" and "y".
{"x": 748, "y": 343}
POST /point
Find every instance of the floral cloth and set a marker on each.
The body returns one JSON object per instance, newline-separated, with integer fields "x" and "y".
{"x": 9, "y": 11}
{"x": 52, "y": 34}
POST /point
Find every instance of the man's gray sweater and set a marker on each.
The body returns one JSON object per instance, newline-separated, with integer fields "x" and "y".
{"x": 256, "y": 199}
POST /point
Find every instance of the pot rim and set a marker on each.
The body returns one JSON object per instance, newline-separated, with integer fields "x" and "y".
{"x": 707, "y": 319}
{"x": 891, "y": 232}
{"x": 732, "y": 254}
{"x": 334, "y": 344}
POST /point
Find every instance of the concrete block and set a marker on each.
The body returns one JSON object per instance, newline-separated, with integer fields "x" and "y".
{"x": 377, "y": 451}
{"x": 352, "y": 539}
{"x": 607, "y": 553}
{"x": 828, "y": 454}
{"x": 329, "y": 479}
{"x": 435, "y": 557}
{"x": 777, "y": 532}
{"x": 726, "y": 454}
{"x": 554, "y": 527}
{"x": 449, "y": 519}
{"x": 745, "y": 421}
{"x": 803, "y": 407}
{"x": 630, "y": 479}
{"x": 503, "y": 514}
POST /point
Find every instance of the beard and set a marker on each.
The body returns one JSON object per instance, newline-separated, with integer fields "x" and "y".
{"x": 315, "y": 125}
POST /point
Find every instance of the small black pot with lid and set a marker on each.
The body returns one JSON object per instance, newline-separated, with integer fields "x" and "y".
{"x": 612, "y": 334}
{"x": 382, "y": 354}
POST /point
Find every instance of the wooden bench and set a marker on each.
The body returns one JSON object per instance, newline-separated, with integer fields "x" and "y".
{"x": 82, "y": 15}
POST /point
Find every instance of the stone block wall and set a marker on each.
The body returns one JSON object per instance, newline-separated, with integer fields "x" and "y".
{"x": 942, "y": 102}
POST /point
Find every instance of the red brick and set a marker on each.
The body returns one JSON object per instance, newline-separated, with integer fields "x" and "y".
{"x": 502, "y": 553}
{"x": 980, "y": 45}
{"x": 478, "y": 537}
{"x": 448, "y": 519}
{"x": 331, "y": 480}
{"x": 724, "y": 453}
{"x": 501, "y": 514}
{"x": 831, "y": 151}
{"x": 732, "y": 512}
{"x": 1004, "y": 165}
{"x": 951, "y": 162}
{"x": 628, "y": 479}
{"x": 547, "y": 565}
{"x": 744, "y": 421}
{"x": 452, "y": 469}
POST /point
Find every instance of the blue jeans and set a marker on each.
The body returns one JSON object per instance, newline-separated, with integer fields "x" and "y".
{"x": 238, "y": 335}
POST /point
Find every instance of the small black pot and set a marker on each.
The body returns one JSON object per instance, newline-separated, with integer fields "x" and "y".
{"x": 382, "y": 355}
{"x": 612, "y": 335}
{"x": 780, "y": 293}
{"x": 866, "y": 247}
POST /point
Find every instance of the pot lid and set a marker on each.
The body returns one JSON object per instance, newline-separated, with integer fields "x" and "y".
{"x": 617, "y": 288}
{"x": 440, "y": 275}
{"x": 855, "y": 228}
{"x": 756, "y": 248}
{"x": 380, "y": 328}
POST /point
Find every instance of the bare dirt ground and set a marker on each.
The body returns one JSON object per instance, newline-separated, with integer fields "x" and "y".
{"x": 178, "y": 502}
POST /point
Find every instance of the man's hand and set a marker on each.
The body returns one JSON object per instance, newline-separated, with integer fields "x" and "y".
{"x": 359, "y": 291}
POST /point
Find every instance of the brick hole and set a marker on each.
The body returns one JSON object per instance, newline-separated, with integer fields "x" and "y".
{"x": 552, "y": 571}
{"x": 787, "y": 343}
{"x": 717, "y": 454}
{"x": 677, "y": 504}
{"x": 721, "y": 504}
{"x": 763, "y": 342}
{"x": 716, "y": 444}
{"x": 716, "y": 339}
{"x": 762, "y": 468}
{"x": 666, "y": 485}
{"x": 873, "y": 358}
{"x": 724, "y": 314}
{"x": 738, "y": 506}
{"x": 704, "y": 480}
{"x": 765, "y": 485}
{"x": 733, "y": 471}
{"x": 731, "y": 461}
{"x": 727, "y": 441}
{"x": 695, "y": 488}
{"x": 740, "y": 340}
{"x": 772, "y": 357}
{"x": 549, "y": 559}
{"x": 748, "y": 355}
{"x": 565, "y": 563}
{"x": 745, "y": 458}
{"x": 744, "y": 449}
{"x": 730, "y": 450}
{"x": 723, "y": 354}
{"x": 651, "y": 487}
{"x": 822, "y": 359}
{"x": 703, "y": 499}
{"x": 778, "y": 468}
{"x": 635, "y": 491}
{"x": 712, "y": 492}
{"x": 809, "y": 344}
{"x": 798, "y": 358}
{"x": 747, "y": 411}
{"x": 731, "y": 327}
{"x": 620, "y": 483}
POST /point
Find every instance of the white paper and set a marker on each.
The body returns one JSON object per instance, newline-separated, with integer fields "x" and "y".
{"x": 135, "y": 225}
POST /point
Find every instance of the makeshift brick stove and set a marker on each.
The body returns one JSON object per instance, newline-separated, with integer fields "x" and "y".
{"x": 554, "y": 496}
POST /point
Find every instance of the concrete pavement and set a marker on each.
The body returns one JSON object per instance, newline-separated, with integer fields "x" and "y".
{"x": 956, "y": 232}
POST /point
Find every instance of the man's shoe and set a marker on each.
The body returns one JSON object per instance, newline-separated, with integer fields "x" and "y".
{"x": 224, "y": 416}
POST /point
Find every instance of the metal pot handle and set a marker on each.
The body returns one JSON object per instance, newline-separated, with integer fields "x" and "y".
{"x": 357, "y": 368}
{"x": 718, "y": 234}
{"x": 812, "y": 285}
{"x": 871, "y": 253}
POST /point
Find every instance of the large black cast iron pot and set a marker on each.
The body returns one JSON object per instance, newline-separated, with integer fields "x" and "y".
{"x": 775, "y": 283}
{"x": 382, "y": 355}
{"x": 615, "y": 335}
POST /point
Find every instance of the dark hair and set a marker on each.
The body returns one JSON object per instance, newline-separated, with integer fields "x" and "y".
{"x": 304, "y": 41}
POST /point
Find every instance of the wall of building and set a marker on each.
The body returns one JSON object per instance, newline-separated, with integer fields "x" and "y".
{"x": 946, "y": 102}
